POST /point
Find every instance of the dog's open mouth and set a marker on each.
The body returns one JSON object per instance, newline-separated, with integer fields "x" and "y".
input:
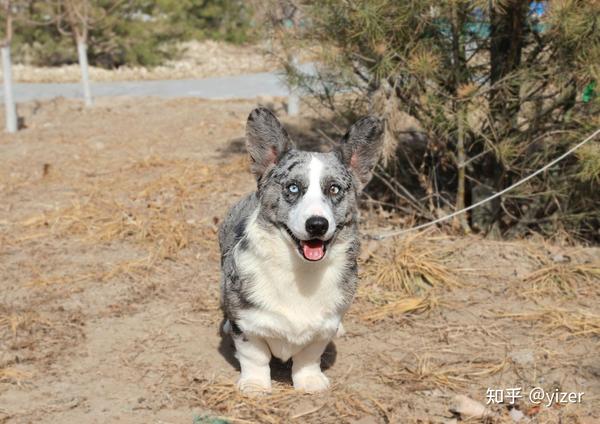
{"x": 311, "y": 250}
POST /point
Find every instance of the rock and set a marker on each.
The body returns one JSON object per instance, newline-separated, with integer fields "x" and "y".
{"x": 517, "y": 416}
{"x": 469, "y": 408}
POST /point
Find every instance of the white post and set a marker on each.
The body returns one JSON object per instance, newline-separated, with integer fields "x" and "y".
{"x": 85, "y": 76}
{"x": 293, "y": 106}
{"x": 9, "y": 100}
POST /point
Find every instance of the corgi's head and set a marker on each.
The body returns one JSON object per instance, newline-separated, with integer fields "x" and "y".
{"x": 310, "y": 196}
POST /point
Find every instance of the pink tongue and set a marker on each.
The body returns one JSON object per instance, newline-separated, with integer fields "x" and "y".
{"x": 313, "y": 249}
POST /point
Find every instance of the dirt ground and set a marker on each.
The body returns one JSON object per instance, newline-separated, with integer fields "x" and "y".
{"x": 109, "y": 277}
{"x": 197, "y": 59}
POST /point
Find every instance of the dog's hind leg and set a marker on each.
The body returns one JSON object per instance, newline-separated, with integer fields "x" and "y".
{"x": 254, "y": 356}
{"x": 306, "y": 368}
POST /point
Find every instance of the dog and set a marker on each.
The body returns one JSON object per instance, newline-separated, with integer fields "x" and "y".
{"x": 289, "y": 250}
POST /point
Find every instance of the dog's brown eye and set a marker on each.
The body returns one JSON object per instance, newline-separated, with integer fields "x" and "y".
{"x": 334, "y": 189}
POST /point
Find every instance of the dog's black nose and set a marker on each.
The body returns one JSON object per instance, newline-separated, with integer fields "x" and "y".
{"x": 316, "y": 226}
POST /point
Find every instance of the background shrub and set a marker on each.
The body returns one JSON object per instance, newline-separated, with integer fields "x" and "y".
{"x": 476, "y": 94}
{"x": 133, "y": 32}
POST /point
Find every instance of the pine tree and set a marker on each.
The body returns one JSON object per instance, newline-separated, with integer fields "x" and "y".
{"x": 496, "y": 89}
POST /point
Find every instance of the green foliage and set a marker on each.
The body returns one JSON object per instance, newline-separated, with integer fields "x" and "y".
{"x": 227, "y": 20}
{"x": 133, "y": 32}
{"x": 518, "y": 77}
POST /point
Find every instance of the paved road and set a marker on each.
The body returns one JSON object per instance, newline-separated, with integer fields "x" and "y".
{"x": 239, "y": 86}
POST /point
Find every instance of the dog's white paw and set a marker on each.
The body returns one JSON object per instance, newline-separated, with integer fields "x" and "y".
{"x": 254, "y": 386}
{"x": 312, "y": 382}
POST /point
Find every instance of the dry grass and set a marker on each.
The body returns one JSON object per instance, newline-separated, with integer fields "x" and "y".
{"x": 12, "y": 322}
{"x": 428, "y": 374}
{"x": 571, "y": 323}
{"x": 411, "y": 266}
{"x": 398, "y": 278}
{"x": 135, "y": 269}
{"x": 562, "y": 279}
{"x": 560, "y": 274}
{"x": 148, "y": 211}
{"x": 29, "y": 336}
{"x": 398, "y": 307}
{"x": 149, "y": 203}
{"x": 149, "y": 207}
{"x": 223, "y": 400}
{"x": 13, "y": 375}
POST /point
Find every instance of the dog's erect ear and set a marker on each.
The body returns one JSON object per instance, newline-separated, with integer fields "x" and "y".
{"x": 266, "y": 140}
{"x": 361, "y": 147}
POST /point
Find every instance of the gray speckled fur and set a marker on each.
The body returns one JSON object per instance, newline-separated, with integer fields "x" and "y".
{"x": 231, "y": 233}
{"x": 275, "y": 164}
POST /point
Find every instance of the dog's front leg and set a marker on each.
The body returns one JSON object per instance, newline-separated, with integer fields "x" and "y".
{"x": 306, "y": 368}
{"x": 254, "y": 356}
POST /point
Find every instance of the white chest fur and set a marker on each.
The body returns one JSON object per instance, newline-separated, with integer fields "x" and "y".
{"x": 298, "y": 301}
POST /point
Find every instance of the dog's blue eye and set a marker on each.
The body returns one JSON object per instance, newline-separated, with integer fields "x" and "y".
{"x": 334, "y": 189}
{"x": 293, "y": 188}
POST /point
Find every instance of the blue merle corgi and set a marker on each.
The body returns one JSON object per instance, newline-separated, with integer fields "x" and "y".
{"x": 289, "y": 250}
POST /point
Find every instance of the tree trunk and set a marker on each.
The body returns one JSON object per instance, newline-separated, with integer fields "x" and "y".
{"x": 508, "y": 23}
{"x": 9, "y": 101}
{"x": 85, "y": 77}
{"x": 459, "y": 109}
{"x": 461, "y": 158}
{"x": 507, "y": 37}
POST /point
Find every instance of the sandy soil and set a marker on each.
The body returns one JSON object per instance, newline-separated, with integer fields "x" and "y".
{"x": 109, "y": 275}
{"x": 198, "y": 59}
